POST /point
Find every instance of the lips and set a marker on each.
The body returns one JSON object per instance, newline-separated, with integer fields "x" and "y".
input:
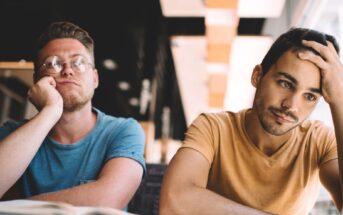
{"x": 66, "y": 82}
{"x": 283, "y": 118}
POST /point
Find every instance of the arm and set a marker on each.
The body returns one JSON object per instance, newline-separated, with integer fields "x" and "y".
{"x": 329, "y": 176}
{"x": 331, "y": 173}
{"x": 184, "y": 189}
{"x": 18, "y": 149}
{"x": 117, "y": 183}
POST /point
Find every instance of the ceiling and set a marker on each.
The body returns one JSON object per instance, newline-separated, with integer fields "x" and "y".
{"x": 131, "y": 48}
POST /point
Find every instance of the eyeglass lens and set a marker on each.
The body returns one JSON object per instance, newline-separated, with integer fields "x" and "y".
{"x": 54, "y": 64}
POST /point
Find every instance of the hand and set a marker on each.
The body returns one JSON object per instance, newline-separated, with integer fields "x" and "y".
{"x": 44, "y": 94}
{"x": 331, "y": 69}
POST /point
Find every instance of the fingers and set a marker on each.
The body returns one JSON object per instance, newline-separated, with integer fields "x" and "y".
{"x": 326, "y": 52}
{"x": 310, "y": 56}
{"x": 332, "y": 47}
{"x": 41, "y": 84}
{"x": 44, "y": 93}
{"x": 47, "y": 79}
{"x": 51, "y": 81}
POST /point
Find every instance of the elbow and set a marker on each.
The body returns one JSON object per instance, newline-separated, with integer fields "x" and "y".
{"x": 170, "y": 203}
{"x": 167, "y": 206}
{"x": 118, "y": 200}
{"x": 109, "y": 204}
{"x": 112, "y": 201}
{"x": 7, "y": 194}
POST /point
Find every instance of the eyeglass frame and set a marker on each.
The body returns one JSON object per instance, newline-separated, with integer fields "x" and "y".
{"x": 63, "y": 63}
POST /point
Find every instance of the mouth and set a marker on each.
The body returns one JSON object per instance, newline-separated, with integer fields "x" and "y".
{"x": 67, "y": 82}
{"x": 283, "y": 118}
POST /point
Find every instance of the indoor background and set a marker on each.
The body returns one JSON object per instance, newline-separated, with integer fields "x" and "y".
{"x": 162, "y": 62}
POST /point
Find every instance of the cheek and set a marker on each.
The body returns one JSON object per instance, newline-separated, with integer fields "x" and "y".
{"x": 89, "y": 84}
{"x": 307, "y": 108}
{"x": 269, "y": 95}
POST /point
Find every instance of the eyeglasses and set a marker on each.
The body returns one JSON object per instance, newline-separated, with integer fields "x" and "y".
{"x": 55, "y": 65}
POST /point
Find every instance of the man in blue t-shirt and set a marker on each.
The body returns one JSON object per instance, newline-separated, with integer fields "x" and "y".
{"x": 70, "y": 151}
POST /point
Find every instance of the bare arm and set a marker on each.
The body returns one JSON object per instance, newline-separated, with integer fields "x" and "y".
{"x": 18, "y": 149}
{"x": 117, "y": 183}
{"x": 337, "y": 115}
{"x": 331, "y": 69}
{"x": 184, "y": 189}
{"x": 331, "y": 173}
{"x": 329, "y": 176}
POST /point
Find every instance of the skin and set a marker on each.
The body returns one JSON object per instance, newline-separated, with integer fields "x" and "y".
{"x": 65, "y": 114}
{"x": 285, "y": 96}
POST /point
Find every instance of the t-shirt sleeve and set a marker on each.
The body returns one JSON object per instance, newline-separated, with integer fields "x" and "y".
{"x": 327, "y": 147}
{"x": 199, "y": 136}
{"x": 128, "y": 142}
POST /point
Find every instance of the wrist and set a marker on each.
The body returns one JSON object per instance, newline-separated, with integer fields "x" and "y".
{"x": 52, "y": 111}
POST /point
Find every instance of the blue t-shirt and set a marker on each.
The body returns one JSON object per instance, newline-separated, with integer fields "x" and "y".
{"x": 60, "y": 166}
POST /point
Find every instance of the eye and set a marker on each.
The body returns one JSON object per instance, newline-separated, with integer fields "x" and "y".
{"x": 285, "y": 84}
{"x": 53, "y": 64}
{"x": 79, "y": 63}
{"x": 310, "y": 97}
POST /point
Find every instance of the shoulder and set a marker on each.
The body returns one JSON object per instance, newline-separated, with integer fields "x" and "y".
{"x": 209, "y": 127}
{"x": 119, "y": 126}
{"x": 318, "y": 134}
{"x": 117, "y": 122}
{"x": 218, "y": 119}
{"x": 315, "y": 128}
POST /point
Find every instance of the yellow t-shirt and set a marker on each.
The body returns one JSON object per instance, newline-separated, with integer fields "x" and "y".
{"x": 285, "y": 183}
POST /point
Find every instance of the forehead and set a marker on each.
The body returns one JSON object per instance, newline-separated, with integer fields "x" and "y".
{"x": 304, "y": 71}
{"x": 63, "y": 48}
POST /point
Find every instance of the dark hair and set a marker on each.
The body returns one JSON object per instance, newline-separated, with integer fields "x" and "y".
{"x": 58, "y": 30}
{"x": 292, "y": 40}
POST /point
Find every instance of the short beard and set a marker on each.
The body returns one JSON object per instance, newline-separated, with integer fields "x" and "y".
{"x": 72, "y": 103}
{"x": 271, "y": 128}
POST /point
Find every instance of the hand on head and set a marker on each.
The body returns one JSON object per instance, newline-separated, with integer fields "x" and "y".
{"x": 44, "y": 94}
{"x": 330, "y": 66}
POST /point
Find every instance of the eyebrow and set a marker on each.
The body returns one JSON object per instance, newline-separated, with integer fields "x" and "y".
{"x": 295, "y": 82}
{"x": 76, "y": 55}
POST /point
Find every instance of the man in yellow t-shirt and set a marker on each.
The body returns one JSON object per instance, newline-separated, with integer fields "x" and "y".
{"x": 267, "y": 159}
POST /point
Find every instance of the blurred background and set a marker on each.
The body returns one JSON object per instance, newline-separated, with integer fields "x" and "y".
{"x": 162, "y": 62}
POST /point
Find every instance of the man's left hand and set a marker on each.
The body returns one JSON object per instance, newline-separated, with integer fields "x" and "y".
{"x": 331, "y": 69}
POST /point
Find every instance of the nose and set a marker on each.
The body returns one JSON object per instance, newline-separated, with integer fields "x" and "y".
{"x": 67, "y": 69}
{"x": 291, "y": 103}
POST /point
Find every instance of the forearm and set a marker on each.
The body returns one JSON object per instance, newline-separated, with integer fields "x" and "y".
{"x": 201, "y": 201}
{"x": 18, "y": 149}
{"x": 91, "y": 194}
{"x": 337, "y": 116}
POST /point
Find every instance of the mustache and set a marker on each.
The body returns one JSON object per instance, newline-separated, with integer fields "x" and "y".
{"x": 283, "y": 111}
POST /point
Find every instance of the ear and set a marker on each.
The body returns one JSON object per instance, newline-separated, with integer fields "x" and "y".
{"x": 95, "y": 78}
{"x": 256, "y": 75}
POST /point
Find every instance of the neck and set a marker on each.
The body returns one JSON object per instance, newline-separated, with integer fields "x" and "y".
{"x": 73, "y": 126}
{"x": 263, "y": 140}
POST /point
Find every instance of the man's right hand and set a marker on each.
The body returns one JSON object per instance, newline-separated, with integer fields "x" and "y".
{"x": 185, "y": 192}
{"x": 44, "y": 94}
{"x": 23, "y": 143}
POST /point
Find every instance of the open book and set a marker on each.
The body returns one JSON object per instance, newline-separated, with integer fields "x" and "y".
{"x": 32, "y": 207}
